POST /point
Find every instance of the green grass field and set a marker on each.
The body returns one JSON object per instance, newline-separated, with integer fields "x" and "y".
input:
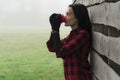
{"x": 24, "y": 56}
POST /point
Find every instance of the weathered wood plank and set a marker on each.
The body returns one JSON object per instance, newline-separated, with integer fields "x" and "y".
{"x": 114, "y": 49}
{"x": 108, "y": 46}
{"x": 106, "y": 13}
{"x": 113, "y": 65}
{"x": 90, "y": 3}
{"x": 111, "y": 75}
{"x": 98, "y": 67}
{"x": 106, "y": 30}
{"x": 100, "y": 43}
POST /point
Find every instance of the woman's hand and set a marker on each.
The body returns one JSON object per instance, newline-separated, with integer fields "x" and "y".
{"x": 55, "y": 21}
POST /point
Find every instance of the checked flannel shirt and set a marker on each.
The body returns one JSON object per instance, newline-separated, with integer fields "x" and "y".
{"x": 74, "y": 52}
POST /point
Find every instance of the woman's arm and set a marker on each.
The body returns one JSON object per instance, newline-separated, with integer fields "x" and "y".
{"x": 80, "y": 40}
{"x": 50, "y": 44}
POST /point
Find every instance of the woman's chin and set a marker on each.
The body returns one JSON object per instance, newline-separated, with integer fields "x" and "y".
{"x": 67, "y": 25}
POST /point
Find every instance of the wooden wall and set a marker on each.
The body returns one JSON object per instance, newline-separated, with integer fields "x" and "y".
{"x": 105, "y": 56}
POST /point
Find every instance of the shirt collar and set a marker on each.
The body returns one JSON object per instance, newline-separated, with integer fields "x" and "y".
{"x": 75, "y": 30}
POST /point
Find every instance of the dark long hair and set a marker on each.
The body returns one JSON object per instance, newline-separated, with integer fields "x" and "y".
{"x": 81, "y": 13}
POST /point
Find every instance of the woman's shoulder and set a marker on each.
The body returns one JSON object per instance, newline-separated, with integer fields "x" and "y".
{"x": 82, "y": 31}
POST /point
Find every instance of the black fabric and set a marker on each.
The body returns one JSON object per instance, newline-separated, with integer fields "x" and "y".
{"x": 56, "y": 41}
{"x": 55, "y": 21}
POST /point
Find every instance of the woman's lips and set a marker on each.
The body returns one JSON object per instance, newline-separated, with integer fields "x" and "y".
{"x": 63, "y": 18}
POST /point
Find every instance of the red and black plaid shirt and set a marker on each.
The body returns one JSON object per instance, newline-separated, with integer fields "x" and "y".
{"x": 74, "y": 52}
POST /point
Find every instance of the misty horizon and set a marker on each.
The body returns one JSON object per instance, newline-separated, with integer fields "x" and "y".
{"x": 29, "y": 12}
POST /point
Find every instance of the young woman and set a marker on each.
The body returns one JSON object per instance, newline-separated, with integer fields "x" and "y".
{"x": 74, "y": 49}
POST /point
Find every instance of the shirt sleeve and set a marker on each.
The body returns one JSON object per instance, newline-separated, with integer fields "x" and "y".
{"x": 73, "y": 45}
{"x": 50, "y": 45}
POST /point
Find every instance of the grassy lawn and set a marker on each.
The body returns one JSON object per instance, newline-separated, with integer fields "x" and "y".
{"x": 24, "y": 56}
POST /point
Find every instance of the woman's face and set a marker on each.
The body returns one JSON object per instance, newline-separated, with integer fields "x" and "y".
{"x": 70, "y": 18}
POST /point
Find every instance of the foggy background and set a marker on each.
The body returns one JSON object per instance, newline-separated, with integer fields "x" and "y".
{"x": 29, "y": 13}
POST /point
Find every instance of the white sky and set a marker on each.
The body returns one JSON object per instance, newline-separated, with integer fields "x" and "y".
{"x": 30, "y": 12}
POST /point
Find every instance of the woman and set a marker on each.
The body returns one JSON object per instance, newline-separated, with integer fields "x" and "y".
{"x": 74, "y": 49}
